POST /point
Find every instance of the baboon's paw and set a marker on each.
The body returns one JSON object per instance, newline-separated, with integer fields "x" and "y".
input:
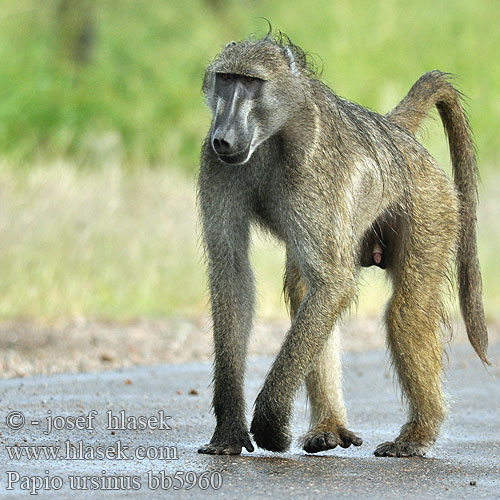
{"x": 267, "y": 436}
{"x": 322, "y": 441}
{"x": 228, "y": 448}
{"x": 400, "y": 449}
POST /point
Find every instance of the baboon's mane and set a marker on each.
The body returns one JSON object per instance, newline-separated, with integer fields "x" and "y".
{"x": 302, "y": 58}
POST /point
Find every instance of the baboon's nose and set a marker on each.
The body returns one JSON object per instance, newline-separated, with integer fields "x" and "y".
{"x": 223, "y": 142}
{"x": 221, "y": 146}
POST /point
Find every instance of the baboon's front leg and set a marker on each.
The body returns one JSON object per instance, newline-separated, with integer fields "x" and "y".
{"x": 307, "y": 336}
{"x": 232, "y": 301}
{"x": 232, "y": 305}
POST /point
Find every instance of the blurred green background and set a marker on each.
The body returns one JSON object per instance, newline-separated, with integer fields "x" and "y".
{"x": 101, "y": 121}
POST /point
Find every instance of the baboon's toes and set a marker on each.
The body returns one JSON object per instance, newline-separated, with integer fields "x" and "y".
{"x": 233, "y": 448}
{"x": 348, "y": 437}
{"x": 228, "y": 449}
{"x": 400, "y": 449}
{"x": 327, "y": 440}
{"x": 321, "y": 442}
{"x": 269, "y": 437}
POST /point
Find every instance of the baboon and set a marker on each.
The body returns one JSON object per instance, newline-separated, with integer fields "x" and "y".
{"x": 342, "y": 187}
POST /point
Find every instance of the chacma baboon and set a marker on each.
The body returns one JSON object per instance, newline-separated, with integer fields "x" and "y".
{"x": 343, "y": 187}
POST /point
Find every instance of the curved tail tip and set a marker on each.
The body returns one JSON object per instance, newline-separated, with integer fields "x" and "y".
{"x": 481, "y": 352}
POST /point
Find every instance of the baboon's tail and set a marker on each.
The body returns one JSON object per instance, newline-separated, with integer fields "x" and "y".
{"x": 434, "y": 89}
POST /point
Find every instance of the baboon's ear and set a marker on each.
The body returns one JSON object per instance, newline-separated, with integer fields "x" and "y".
{"x": 230, "y": 44}
{"x": 206, "y": 86}
{"x": 291, "y": 61}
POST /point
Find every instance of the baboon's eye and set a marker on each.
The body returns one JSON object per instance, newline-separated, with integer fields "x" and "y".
{"x": 225, "y": 76}
{"x": 250, "y": 79}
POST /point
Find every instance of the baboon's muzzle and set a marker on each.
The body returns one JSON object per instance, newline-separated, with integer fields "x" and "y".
{"x": 231, "y": 133}
{"x": 226, "y": 151}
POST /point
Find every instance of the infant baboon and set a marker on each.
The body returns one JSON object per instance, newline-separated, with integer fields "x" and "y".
{"x": 343, "y": 187}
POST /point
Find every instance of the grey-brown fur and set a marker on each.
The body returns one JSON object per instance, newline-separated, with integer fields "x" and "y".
{"x": 331, "y": 180}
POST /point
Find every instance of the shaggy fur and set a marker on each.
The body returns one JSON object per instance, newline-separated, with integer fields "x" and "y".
{"x": 342, "y": 187}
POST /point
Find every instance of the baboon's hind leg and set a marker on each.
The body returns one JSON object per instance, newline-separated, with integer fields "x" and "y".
{"x": 328, "y": 427}
{"x": 413, "y": 321}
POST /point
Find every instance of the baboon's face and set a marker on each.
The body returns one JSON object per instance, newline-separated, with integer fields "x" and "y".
{"x": 244, "y": 87}
{"x": 233, "y": 135}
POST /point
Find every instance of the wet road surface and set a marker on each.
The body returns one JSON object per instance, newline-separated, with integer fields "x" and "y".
{"x": 110, "y": 452}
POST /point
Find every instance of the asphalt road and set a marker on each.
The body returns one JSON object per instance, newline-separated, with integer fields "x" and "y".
{"x": 40, "y": 411}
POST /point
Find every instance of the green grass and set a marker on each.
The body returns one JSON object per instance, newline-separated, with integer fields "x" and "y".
{"x": 138, "y": 100}
{"x": 119, "y": 245}
{"x": 101, "y": 244}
